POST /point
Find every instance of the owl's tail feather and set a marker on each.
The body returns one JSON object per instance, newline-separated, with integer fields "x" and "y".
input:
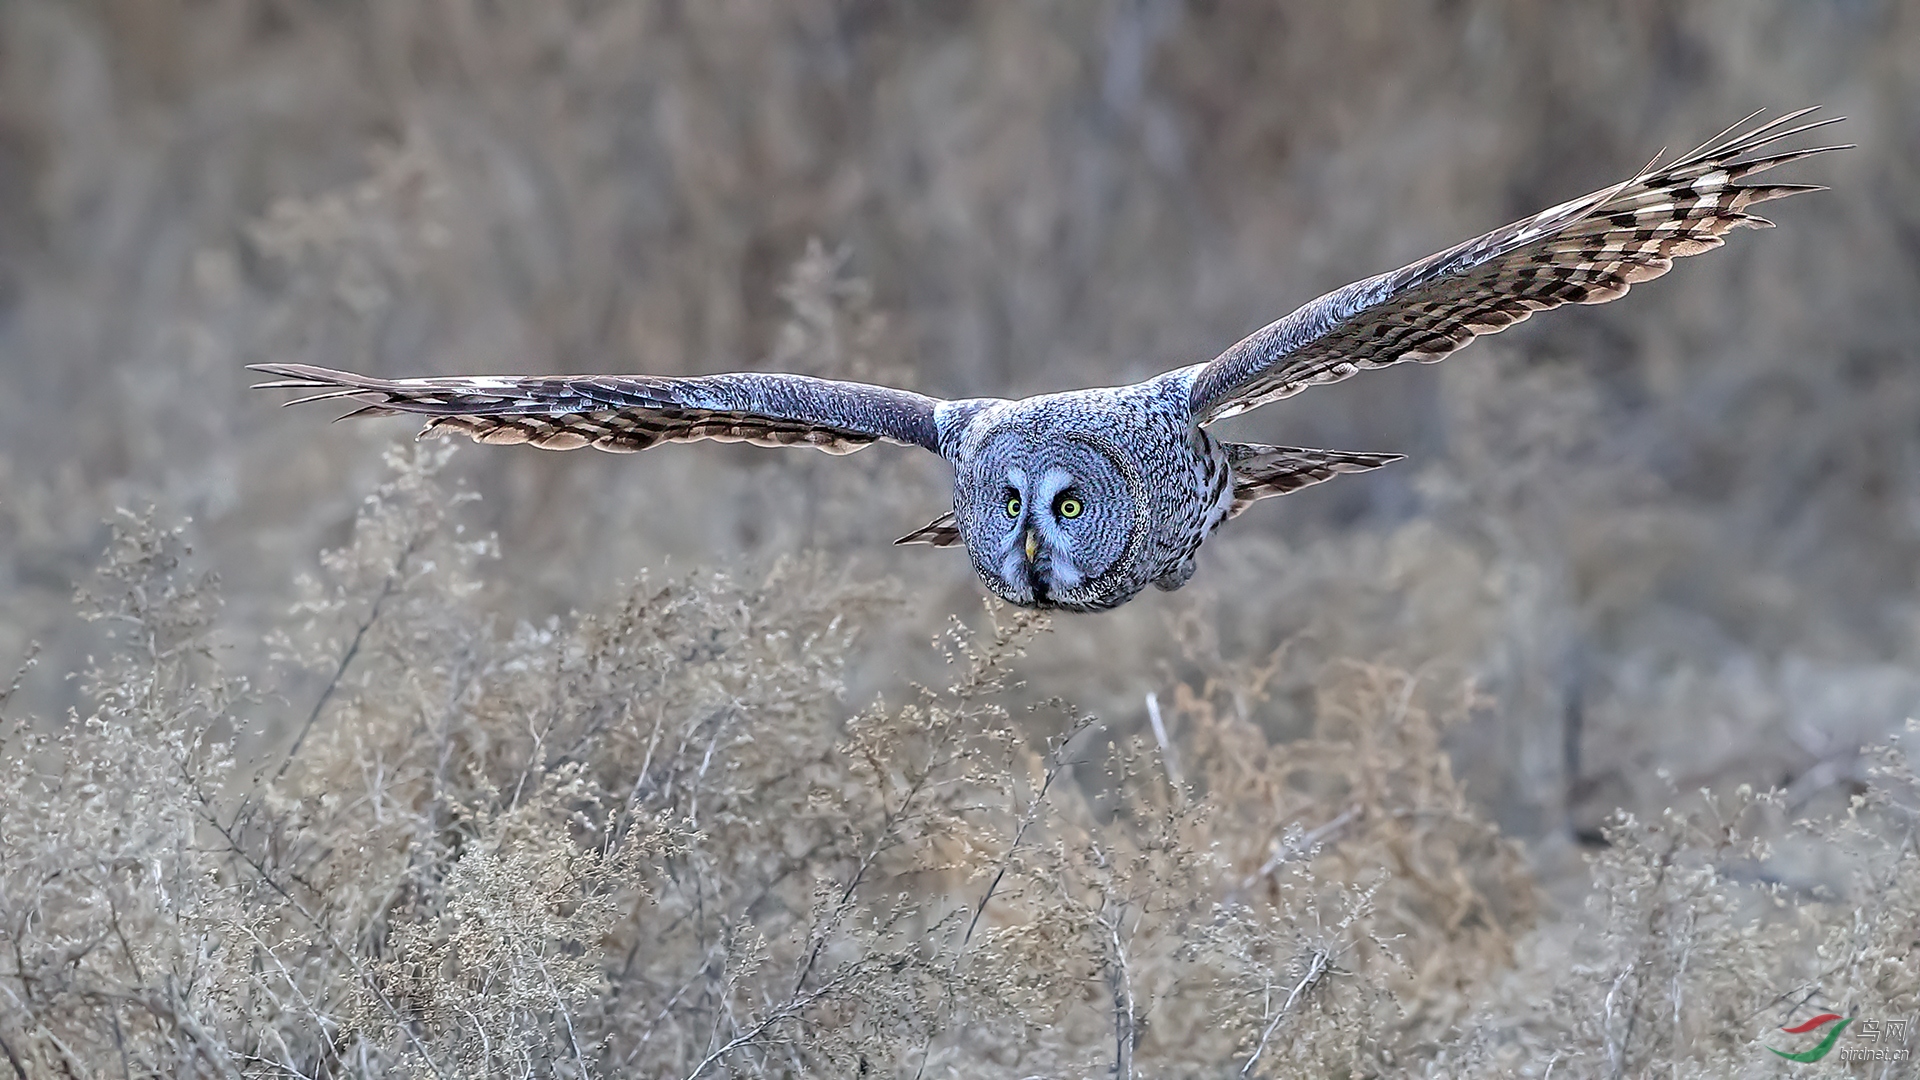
{"x": 1261, "y": 472}
{"x": 943, "y": 531}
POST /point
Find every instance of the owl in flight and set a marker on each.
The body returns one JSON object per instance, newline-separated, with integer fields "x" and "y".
{"x": 1078, "y": 500}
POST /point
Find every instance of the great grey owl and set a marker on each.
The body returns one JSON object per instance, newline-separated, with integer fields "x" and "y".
{"x": 1079, "y": 500}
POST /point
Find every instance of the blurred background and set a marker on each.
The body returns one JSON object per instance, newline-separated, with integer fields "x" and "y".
{"x": 1672, "y": 540}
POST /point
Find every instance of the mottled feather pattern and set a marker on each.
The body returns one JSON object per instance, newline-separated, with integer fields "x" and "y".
{"x": 1262, "y": 472}
{"x": 627, "y": 413}
{"x": 630, "y": 431}
{"x": 1586, "y": 251}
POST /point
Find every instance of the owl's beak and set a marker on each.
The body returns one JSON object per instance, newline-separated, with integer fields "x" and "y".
{"x": 1033, "y": 543}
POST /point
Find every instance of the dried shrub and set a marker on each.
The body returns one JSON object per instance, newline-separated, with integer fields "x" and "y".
{"x": 653, "y": 839}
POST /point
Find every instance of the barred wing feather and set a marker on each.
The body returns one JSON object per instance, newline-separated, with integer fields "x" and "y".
{"x": 626, "y": 413}
{"x": 1586, "y": 251}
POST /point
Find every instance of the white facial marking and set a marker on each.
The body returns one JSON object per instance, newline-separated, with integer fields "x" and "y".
{"x": 1012, "y": 551}
{"x": 1065, "y": 574}
{"x": 1052, "y": 482}
{"x": 1013, "y": 569}
{"x": 1011, "y": 541}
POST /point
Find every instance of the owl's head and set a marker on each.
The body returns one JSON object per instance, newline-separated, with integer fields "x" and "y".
{"x": 1053, "y": 517}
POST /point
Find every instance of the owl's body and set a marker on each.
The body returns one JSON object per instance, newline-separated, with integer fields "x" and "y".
{"x": 1079, "y": 500}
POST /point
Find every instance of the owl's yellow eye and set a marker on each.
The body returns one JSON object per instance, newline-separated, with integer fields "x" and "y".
{"x": 1069, "y": 507}
{"x": 1013, "y": 506}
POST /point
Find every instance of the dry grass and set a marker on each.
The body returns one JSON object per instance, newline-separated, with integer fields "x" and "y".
{"x": 653, "y": 839}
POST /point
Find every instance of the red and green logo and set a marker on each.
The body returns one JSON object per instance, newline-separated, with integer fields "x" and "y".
{"x": 1826, "y": 1043}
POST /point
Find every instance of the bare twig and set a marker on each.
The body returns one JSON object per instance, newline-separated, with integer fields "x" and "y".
{"x": 326, "y": 934}
{"x": 1056, "y": 764}
{"x": 1318, "y": 964}
{"x": 13, "y": 1059}
{"x": 391, "y": 586}
{"x": 787, "y": 1010}
{"x": 1168, "y": 755}
{"x": 20, "y": 674}
{"x": 1293, "y": 848}
{"x": 1125, "y": 1015}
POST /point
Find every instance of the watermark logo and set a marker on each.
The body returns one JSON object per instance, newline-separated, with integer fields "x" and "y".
{"x": 1826, "y": 1043}
{"x": 1873, "y": 1040}
{"x": 1889, "y": 1039}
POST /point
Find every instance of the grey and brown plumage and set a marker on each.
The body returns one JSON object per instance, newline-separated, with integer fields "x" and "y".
{"x": 1079, "y": 500}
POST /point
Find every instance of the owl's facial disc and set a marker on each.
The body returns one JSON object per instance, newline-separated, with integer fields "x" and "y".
{"x": 1061, "y": 520}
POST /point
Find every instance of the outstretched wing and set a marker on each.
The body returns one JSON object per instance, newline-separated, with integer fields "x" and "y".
{"x": 1587, "y": 251}
{"x": 625, "y": 413}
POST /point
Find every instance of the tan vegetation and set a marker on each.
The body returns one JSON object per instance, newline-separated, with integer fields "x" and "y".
{"x": 651, "y": 840}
